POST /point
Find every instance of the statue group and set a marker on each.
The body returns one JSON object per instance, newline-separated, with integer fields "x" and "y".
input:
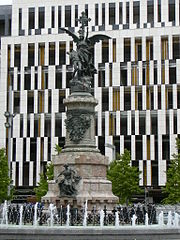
{"x": 82, "y": 58}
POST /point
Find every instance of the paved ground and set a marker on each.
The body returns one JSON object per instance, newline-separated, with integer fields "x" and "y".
{"x": 89, "y": 233}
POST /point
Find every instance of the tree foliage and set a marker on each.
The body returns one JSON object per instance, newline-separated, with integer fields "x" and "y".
{"x": 172, "y": 188}
{"x": 42, "y": 187}
{"x": 5, "y": 181}
{"x": 124, "y": 177}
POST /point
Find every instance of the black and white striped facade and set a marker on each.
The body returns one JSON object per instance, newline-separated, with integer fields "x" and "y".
{"x": 137, "y": 85}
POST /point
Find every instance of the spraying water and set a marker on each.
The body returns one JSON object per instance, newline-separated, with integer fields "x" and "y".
{"x": 101, "y": 218}
{"x": 21, "y": 215}
{"x": 68, "y": 216}
{"x": 176, "y": 220}
{"x": 169, "y": 223}
{"x": 85, "y": 214}
{"x": 5, "y": 213}
{"x": 52, "y": 210}
{"x": 161, "y": 219}
{"x": 35, "y": 223}
{"x": 146, "y": 220}
{"x": 134, "y": 220}
{"x": 116, "y": 219}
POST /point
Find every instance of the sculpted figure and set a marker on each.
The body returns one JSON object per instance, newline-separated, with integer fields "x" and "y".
{"x": 67, "y": 185}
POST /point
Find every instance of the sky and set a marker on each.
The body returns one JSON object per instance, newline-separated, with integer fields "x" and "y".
{"x": 5, "y": 2}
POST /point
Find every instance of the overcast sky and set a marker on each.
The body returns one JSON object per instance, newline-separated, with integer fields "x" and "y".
{"x": 5, "y": 2}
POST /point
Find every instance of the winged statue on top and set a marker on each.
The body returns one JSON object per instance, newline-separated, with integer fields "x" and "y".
{"x": 82, "y": 58}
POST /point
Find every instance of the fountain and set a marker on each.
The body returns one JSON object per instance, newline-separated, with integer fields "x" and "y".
{"x": 169, "y": 223}
{"x": 146, "y": 220}
{"x": 5, "y": 214}
{"x": 161, "y": 219}
{"x": 35, "y": 223}
{"x": 85, "y": 214}
{"x": 101, "y": 218}
{"x": 52, "y": 209}
{"x": 176, "y": 220}
{"x": 116, "y": 219}
{"x": 68, "y": 216}
{"x": 134, "y": 220}
{"x": 21, "y": 216}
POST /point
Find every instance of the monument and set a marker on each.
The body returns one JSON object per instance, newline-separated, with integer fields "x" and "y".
{"x": 80, "y": 169}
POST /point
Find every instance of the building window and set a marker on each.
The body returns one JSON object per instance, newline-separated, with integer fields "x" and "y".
{"x": 68, "y": 16}
{"x": 171, "y": 10}
{"x": 123, "y": 123}
{"x": 123, "y": 75}
{"x": 142, "y": 122}
{"x": 27, "y": 82}
{"x": 138, "y": 49}
{"x": 136, "y": 12}
{"x": 31, "y": 54}
{"x": 127, "y": 49}
{"x": 30, "y": 102}
{"x": 139, "y": 149}
{"x": 52, "y": 17}
{"x": 105, "y": 51}
{"x": 165, "y": 147}
{"x": 58, "y": 80}
{"x": 103, "y": 13}
{"x": 41, "y": 54}
{"x": 62, "y": 53}
{"x": 154, "y": 122}
{"x": 86, "y": 10}
{"x": 31, "y": 18}
{"x": 17, "y": 56}
{"x": 52, "y": 53}
{"x": 58, "y": 125}
{"x": 105, "y": 99}
{"x": 33, "y": 149}
{"x": 112, "y": 12}
{"x": 20, "y": 18}
{"x": 149, "y": 49}
{"x": 164, "y": 48}
{"x": 150, "y": 11}
{"x": 159, "y": 10}
{"x": 96, "y": 14}
{"x": 41, "y": 17}
{"x": 101, "y": 78}
{"x": 47, "y": 127}
{"x": 120, "y": 13}
{"x": 176, "y": 47}
{"x": 61, "y": 98}
{"x": 59, "y": 16}
{"x": 127, "y": 12}
{"x": 127, "y": 100}
{"x": 76, "y": 15}
{"x": 172, "y": 74}
{"x": 16, "y": 102}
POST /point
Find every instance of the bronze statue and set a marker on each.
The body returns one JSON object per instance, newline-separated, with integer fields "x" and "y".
{"x": 82, "y": 58}
{"x": 68, "y": 184}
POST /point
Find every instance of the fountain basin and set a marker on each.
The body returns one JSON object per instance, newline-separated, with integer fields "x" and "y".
{"x": 89, "y": 233}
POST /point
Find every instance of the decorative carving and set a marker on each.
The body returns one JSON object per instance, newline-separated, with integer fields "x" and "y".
{"x": 82, "y": 58}
{"x": 68, "y": 185}
{"x": 77, "y": 123}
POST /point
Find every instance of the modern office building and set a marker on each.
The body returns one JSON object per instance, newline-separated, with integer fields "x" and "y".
{"x": 137, "y": 85}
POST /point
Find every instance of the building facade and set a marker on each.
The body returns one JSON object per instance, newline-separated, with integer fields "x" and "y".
{"x": 137, "y": 85}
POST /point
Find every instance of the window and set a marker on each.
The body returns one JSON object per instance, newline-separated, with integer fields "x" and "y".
{"x": 20, "y": 18}
{"x": 30, "y": 102}
{"x": 41, "y": 17}
{"x": 170, "y": 98}
{"x": 58, "y": 125}
{"x": 123, "y": 74}
{"x": 41, "y": 54}
{"x": 31, "y": 18}
{"x": 139, "y": 149}
{"x": 31, "y": 54}
{"x": 127, "y": 49}
{"x": 171, "y": 10}
{"x": 149, "y": 49}
{"x": 165, "y": 147}
{"x": 16, "y": 102}
{"x": 105, "y": 99}
{"x": 120, "y": 13}
{"x": 101, "y": 78}
{"x": 127, "y": 12}
{"x": 59, "y": 16}
{"x": 76, "y": 15}
{"x": 127, "y": 100}
{"x": 159, "y": 10}
{"x": 86, "y": 10}
{"x": 136, "y": 12}
{"x": 105, "y": 51}
{"x": 52, "y": 53}
{"x": 103, "y": 13}
{"x": 164, "y": 48}
{"x": 154, "y": 122}
{"x": 123, "y": 123}
{"x": 17, "y": 56}
{"x": 27, "y": 82}
{"x": 68, "y": 16}
{"x": 138, "y": 49}
{"x": 58, "y": 80}
{"x": 176, "y": 47}
{"x": 150, "y": 11}
{"x": 52, "y": 17}
{"x": 96, "y": 14}
{"x": 142, "y": 122}
{"x": 61, "y": 98}
{"x": 172, "y": 74}
{"x": 62, "y": 53}
{"x": 112, "y": 11}
{"x": 33, "y": 149}
{"x": 47, "y": 125}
